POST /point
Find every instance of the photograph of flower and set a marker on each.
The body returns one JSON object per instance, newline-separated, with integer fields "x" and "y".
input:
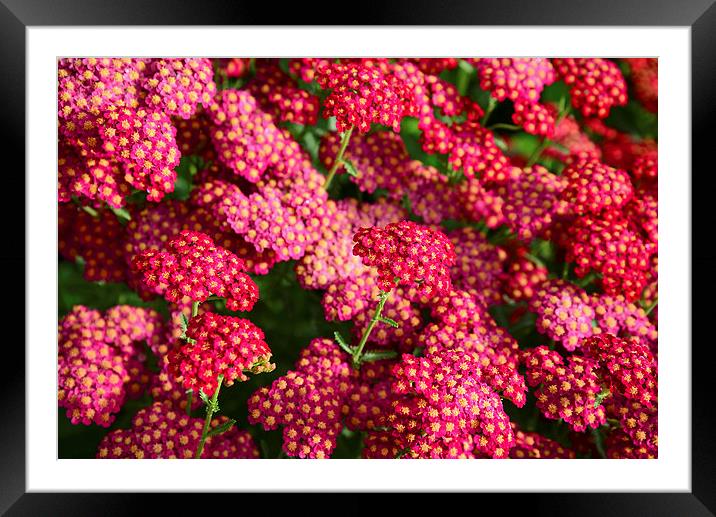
{"x": 378, "y": 258}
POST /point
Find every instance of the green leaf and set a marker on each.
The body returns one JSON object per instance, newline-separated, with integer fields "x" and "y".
{"x": 223, "y": 427}
{"x": 204, "y": 398}
{"x": 91, "y": 211}
{"x": 378, "y": 355}
{"x": 389, "y": 321}
{"x": 601, "y": 396}
{"x": 342, "y": 343}
{"x": 350, "y": 168}
{"x": 122, "y": 214}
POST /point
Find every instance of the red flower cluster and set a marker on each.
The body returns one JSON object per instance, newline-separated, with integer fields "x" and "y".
{"x": 645, "y": 76}
{"x": 361, "y": 95}
{"x": 592, "y": 187}
{"x": 566, "y": 391}
{"x": 535, "y": 446}
{"x": 607, "y": 244}
{"x": 515, "y": 78}
{"x": 628, "y": 366}
{"x": 219, "y": 345}
{"x": 278, "y": 94}
{"x": 193, "y": 266}
{"x": 596, "y": 84}
{"x": 405, "y": 253}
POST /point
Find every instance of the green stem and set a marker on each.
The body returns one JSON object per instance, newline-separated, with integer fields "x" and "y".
{"x": 534, "y": 260}
{"x": 650, "y": 308}
{"x": 373, "y": 322}
{"x": 345, "y": 138}
{"x": 194, "y": 308}
{"x": 91, "y": 211}
{"x": 544, "y": 143}
{"x": 601, "y": 396}
{"x": 502, "y": 125}
{"x": 210, "y": 409}
{"x": 491, "y": 105}
{"x": 537, "y": 153}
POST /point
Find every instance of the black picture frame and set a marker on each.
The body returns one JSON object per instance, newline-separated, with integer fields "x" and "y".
{"x": 700, "y": 15}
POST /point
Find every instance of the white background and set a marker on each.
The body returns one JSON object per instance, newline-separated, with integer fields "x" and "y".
{"x": 671, "y": 471}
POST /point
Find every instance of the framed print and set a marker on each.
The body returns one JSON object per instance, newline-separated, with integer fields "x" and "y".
{"x": 362, "y": 245}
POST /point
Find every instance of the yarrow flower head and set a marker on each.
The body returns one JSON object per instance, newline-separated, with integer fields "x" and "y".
{"x": 564, "y": 312}
{"x": 608, "y": 244}
{"x": 566, "y": 391}
{"x": 278, "y": 93}
{"x": 163, "y": 431}
{"x": 219, "y": 345}
{"x": 405, "y": 253}
{"x": 192, "y": 265}
{"x": 100, "y": 360}
{"x": 479, "y": 265}
{"x": 308, "y": 401}
{"x": 627, "y": 365}
{"x": 596, "y": 84}
{"x": 362, "y": 95}
{"x": 532, "y": 200}
{"x": 177, "y": 86}
{"x": 615, "y": 315}
{"x": 515, "y": 78}
{"x": 638, "y": 433}
{"x": 593, "y": 187}
{"x": 445, "y": 410}
{"x": 645, "y": 78}
{"x": 524, "y": 277}
{"x": 535, "y": 119}
{"x": 246, "y": 139}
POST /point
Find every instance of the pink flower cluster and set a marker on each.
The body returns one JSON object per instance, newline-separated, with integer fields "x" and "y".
{"x": 645, "y": 76}
{"x": 564, "y": 312}
{"x": 101, "y": 360}
{"x": 115, "y": 124}
{"x": 532, "y": 200}
{"x": 445, "y": 410}
{"x": 246, "y": 139}
{"x": 163, "y": 431}
{"x": 307, "y": 401}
